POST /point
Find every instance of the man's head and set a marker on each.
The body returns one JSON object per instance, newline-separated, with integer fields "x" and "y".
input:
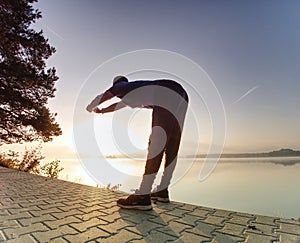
{"x": 119, "y": 79}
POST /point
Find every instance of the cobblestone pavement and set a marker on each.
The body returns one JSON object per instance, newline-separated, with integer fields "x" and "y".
{"x": 39, "y": 209}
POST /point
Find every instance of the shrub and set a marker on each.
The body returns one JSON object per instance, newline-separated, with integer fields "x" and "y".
{"x": 30, "y": 162}
{"x": 51, "y": 169}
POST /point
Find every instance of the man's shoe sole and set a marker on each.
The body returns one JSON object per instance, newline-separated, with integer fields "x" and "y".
{"x": 161, "y": 199}
{"x": 138, "y": 207}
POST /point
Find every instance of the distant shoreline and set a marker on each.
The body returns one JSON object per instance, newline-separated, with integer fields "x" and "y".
{"x": 272, "y": 154}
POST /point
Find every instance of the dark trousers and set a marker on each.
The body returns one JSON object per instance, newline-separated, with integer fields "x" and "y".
{"x": 164, "y": 139}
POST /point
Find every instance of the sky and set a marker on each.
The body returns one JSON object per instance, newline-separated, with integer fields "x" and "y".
{"x": 249, "y": 49}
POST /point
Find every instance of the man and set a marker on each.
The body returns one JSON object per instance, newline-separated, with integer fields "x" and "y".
{"x": 169, "y": 102}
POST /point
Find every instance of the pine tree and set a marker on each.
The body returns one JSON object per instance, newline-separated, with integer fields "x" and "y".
{"x": 25, "y": 82}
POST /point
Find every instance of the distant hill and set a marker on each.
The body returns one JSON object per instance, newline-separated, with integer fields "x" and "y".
{"x": 277, "y": 153}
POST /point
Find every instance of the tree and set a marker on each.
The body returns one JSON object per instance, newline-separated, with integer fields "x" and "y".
{"x": 25, "y": 82}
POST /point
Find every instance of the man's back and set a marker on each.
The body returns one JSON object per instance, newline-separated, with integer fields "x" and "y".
{"x": 141, "y": 93}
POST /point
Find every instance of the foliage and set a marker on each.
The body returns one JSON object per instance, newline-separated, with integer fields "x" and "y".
{"x": 110, "y": 187}
{"x": 9, "y": 159}
{"x": 52, "y": 169}
{"x": 30, "y": 162}
{"x": 25, "y": 83}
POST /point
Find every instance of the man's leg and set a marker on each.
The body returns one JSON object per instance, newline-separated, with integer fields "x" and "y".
{"x": 156, "y": 148}
{"x": 174, "y": 131}
{"x": 171, "y": 161}
{"x": 161, "y": 192}
{"x": 141, "y": 199}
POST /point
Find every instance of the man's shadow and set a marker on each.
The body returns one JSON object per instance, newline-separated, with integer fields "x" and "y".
{"x": 153, "y": 225}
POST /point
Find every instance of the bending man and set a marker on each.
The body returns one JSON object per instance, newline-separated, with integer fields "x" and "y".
{"x": 169, "y": 102}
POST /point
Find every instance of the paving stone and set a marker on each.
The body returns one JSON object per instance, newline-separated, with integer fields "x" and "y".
{"x": 225, "y": 238}
{"x": 191, "y": 238}
{"x": 93, "y": 209}
{"x": 8, "y": 224}
{"x": 6, "y": 200}
{"x": 2, "y": 237}
{"x": 92, "y": 203}
{"x": 30, "y": 209}
{"x": 93, "y": 214}
{"x": 265, "y": 220}
{"x": 222, "y": 213}
{"x": 33, "y": 220}
{"x": 288, "y": 221}
{"x": 16, "y": 232}
{"x": 78, "y": 203}
{"x": 261, "y": 229}
{"x": 203, "y": 229}
{"x": 289, "y": 238}
{"x": 178, "y": 204}
{"x": 146, "y": 227}
{"x": 44, "y": 212}
{"x": 188, "y": 219}
{"x": 215, "y": 220}
{"x": 59, "y": 240}
{"x": 157, "y": 236}
{"x": 54, "y": 224}
{"x": 137, "y": 218}
{"x": 201, "y": 213}
{"x": 109, "y": 204}
{"x": 255, "y": 238}
{"x": 22, "y": 215}
{"x": 3, "y": 212}
{"x": 91, "y": 233}
{"x": 40, "y": 203}
{"x": 138, "y": 241}
{"x": 68, "y": 208}
{"x": 159, "y": 210}
{"x": 22, "y": 239}
{"x": 123, "y": 236}
{"x": 178, "y": 212}
{"x": 232, "y": 229}
{"x": 188, "y": 207}
{"x": 111, "y": 217}
{"x": 159, "y": 220}
{"x": 174, "y": 228}
{"x": 84, "y": 225}
{"x": 166, "y": 206}
{"x": 52, "y": 234}
{"x": 246, "y": 215}
{"x": 64, "y": 214}
{"x": 114, "y": 227}
{"x": 289, "y": 228}
{"x": 236, "y": 219}
{"x": 109, "y": 210}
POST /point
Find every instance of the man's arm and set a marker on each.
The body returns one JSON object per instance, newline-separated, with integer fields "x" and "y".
{"x": 111, "y": 108}
{"x": 99, "y": 99}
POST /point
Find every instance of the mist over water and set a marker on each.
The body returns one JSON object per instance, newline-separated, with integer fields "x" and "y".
{"x": 267, "y": 186}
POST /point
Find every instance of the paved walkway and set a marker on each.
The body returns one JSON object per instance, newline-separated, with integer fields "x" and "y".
{"x": 39, "y": 209}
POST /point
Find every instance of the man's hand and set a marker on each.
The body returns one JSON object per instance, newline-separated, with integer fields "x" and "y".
{"x": 98, "y": 111}
{"x": 95, "y": 102}
{"x": 90, "y": 108}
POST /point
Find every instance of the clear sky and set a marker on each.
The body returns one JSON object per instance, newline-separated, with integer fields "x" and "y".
{"x": 250, "y": 49}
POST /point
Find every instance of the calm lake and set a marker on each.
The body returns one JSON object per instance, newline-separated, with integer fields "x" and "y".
{"x": 267, "y": 186}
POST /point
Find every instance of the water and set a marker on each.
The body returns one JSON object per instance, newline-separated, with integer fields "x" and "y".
{"x": 267, "y": 186}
